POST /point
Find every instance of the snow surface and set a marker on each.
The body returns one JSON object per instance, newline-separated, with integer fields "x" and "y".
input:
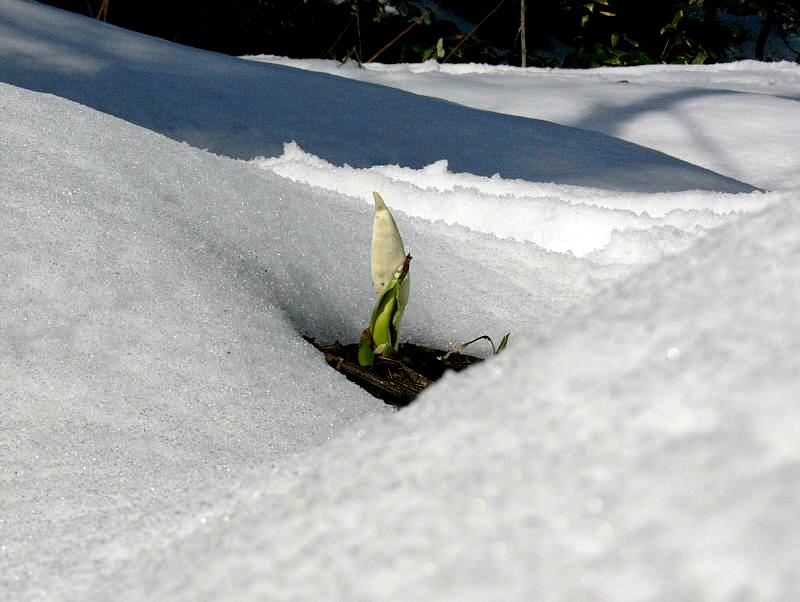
{"x": 167, "y": 434}
{"x": 699, "y": 113}
{"x": 250, "y": 109}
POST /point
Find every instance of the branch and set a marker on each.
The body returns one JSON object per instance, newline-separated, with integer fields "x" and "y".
{"x": 474, "y": 29}
{"x": 414, "y": 23}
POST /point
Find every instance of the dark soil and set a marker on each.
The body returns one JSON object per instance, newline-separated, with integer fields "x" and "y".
{"x": 397, "y": 380}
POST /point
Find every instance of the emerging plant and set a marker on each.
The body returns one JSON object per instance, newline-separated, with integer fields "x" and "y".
{"x": 392, "y": 284}
{"x": 495, "y": 350}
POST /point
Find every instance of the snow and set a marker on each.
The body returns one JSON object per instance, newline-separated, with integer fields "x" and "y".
{"x": 634, "y": 474}
{"x": 693, "y": 112}
{"x": 250, "y": 109}
{"x": 167, "y": 434}
{"x": 559, "y": 218}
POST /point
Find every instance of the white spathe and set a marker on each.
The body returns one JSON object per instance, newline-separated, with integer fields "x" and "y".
{"x": 388, "y": 252}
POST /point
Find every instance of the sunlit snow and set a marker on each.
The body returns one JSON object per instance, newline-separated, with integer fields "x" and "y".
{"x": 166, "y": 433}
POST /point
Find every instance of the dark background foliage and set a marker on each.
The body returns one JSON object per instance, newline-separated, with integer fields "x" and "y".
{"x": 565, "y": 33}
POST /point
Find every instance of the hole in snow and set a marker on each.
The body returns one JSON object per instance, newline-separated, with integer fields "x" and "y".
{"x": 399, "y": 379}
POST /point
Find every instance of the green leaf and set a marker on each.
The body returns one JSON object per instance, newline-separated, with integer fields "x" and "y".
{"x": 385, "y": 320}
{"x": 674, "y": 23}
{"x": 495, "y": 350}
{"x": 614, "y": 39}
{"x": 503, "y": 343}
{"x": 366, "y": 357}
{"x": 381, "y": 325}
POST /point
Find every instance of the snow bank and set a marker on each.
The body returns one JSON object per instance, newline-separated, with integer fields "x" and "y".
{"x": 151, "y": 347}
{"x": 738, "y": 119}
{"x": 244, "y": 109}
{"x": 145, "y": 349}
{"x": 564, "y": 219}
{"x": 165, "y": 424}
{"x": 167, "y": 434}
{"x": 643, "y": 449}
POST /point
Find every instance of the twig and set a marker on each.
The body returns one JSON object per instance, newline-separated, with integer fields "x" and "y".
{"x": 102, "y": 14}
{"x": 395, "y": 392}
{"x": 495, "y": 350}
{"x": 418, "y": 379}
{"x": 339, "y": 37}
{"x": 474, "y": 29}
{"x": 462, "y": 346}
{"x": 413, "y": 24}
{"x": 360, "y": 53}
{"x": 523, "y": 44}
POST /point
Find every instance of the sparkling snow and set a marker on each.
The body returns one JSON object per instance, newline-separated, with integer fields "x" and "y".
{"x": 167, "y": 434}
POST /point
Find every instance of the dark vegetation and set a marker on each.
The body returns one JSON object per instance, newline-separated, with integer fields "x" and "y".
{"x": 566, "y": 33}
{"x": 399, "y": 378}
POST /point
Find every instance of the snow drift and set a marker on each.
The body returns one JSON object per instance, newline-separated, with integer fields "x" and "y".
{"x": 166, "y": 433}
{"x": 251, "y": 109}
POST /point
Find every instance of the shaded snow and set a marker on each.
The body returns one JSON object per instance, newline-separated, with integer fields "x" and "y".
{"x": 251, "y": 109}
{"x": 739, "y": 119}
